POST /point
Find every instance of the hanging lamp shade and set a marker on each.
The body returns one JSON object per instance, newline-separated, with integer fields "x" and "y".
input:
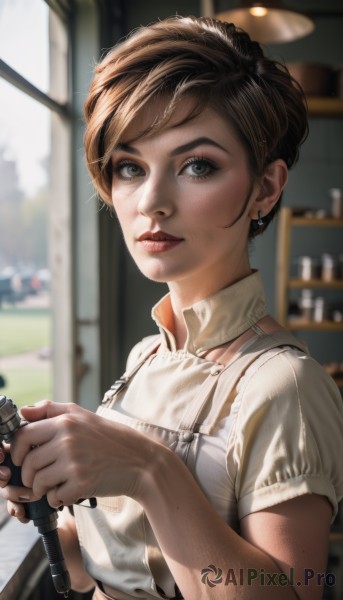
{"x": 268, "y": 22}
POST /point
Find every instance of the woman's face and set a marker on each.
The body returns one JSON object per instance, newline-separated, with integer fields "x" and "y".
{"x": 184, "y": 198}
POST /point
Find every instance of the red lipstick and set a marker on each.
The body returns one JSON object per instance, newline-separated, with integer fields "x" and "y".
{"x": 158, "y": 241}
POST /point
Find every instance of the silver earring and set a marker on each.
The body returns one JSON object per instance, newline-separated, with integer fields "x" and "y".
{"x": 259, "y": 220}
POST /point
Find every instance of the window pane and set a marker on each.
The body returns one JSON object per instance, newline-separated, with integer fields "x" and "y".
{"x": 25, "y": 136}
{"x": 24, "y": 267}
{"x": 34, "y": 42}
{"x": 24, "y": 39}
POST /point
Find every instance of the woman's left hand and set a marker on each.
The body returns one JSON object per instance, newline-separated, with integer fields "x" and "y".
{"x": 68, "y": 453}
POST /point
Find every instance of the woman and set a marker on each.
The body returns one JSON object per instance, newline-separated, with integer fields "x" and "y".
{"x": 215, "y": 460}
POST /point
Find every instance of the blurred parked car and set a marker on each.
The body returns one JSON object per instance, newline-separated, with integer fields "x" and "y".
{"x": 15, "y": 284}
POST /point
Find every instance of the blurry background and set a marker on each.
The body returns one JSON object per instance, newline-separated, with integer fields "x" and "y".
{"x": 71, "y": 301}
{"x": 68, "y": 291}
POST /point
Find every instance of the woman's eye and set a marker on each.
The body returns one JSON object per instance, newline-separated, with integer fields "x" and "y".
{"x": 199, "y": 168}
{"x": 127, "y": 170}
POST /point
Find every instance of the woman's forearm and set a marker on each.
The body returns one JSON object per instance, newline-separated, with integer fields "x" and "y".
{"x": 193, "y": 537}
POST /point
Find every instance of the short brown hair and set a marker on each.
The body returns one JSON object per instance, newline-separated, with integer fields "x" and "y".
{"x": 216, "y": 64}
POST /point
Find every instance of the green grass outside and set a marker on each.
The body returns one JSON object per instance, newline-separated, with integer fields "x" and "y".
{"x": 27, "y": 386}
{"x": 25, "y": 330}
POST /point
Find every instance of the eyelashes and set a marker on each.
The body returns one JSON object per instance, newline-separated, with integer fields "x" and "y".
{"x": 196, "y": 167}
{"x": 199, "y": 167}
{"x": 127, "y": 170}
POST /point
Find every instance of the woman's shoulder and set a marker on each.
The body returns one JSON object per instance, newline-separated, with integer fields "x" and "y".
{"x": 300, "y": 370}
{"x": 288, "y": 436}
{"x": 293, "y": 384}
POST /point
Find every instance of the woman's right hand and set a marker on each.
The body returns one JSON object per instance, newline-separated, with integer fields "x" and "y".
{"x": 15, "y": 509}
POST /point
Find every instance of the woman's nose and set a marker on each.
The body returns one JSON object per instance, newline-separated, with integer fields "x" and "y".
{"x": 156, "y": 198}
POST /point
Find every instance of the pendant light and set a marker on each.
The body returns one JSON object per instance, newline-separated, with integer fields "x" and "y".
{"x": 268, "y": 22}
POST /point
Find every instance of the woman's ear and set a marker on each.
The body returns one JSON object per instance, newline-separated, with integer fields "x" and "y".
{"x": 271, "y": 184}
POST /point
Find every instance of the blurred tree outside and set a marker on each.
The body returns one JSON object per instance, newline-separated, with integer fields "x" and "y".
{"x": 25, "y": 325}
{"x": 23, "y": 221}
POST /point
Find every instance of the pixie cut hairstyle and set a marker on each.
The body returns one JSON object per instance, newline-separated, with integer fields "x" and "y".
{"x": 216, "y": 65}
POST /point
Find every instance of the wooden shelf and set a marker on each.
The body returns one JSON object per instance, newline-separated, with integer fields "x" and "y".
{"x": 316, "y": 222}
{"x": 325, "y": 106}
{"x": 287, "y": 222}
{"x": 299, "y": 284}
{"x": 295, "y": 324}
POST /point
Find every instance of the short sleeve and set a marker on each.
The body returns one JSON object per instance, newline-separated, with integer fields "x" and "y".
{"x": 288, "y": 436}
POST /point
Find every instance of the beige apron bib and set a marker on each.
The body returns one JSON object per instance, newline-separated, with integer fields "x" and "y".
{"x": 117, "y": 534}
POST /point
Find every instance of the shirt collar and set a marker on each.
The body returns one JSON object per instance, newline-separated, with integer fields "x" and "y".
{"x": 217, "y": 319}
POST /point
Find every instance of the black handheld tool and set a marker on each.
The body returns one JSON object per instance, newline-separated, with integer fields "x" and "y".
{"x": 40, "y": 512}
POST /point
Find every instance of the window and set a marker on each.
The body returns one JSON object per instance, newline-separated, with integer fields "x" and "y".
{"x": 41, "y": 181}
{"x": 33, "y": 90}
{"x": 53, "y": 223}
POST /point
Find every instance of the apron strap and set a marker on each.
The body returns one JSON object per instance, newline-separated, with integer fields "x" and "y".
{"x": 153, "y": 345}
{"x": 235, "y": 359}
{"x": 232, "y": 361}
{"x": 228, "y": 382}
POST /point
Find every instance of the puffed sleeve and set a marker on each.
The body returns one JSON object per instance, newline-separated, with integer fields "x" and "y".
{"x": 288, "y": 437}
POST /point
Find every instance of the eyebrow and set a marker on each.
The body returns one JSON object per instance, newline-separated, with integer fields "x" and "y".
{"x": 127, "y": 148}
{"x": 179, "y": 150}
{"x": 194, "y": 143}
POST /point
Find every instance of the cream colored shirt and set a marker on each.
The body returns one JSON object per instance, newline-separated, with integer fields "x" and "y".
{"x": 280, "y": 435}
{"x": 287, "y": 436}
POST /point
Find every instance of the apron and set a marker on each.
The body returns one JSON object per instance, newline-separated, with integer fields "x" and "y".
{"x": 129, "y": 537}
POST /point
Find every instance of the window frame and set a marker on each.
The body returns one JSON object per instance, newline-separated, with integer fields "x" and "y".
{"x": 76, "y": 369}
